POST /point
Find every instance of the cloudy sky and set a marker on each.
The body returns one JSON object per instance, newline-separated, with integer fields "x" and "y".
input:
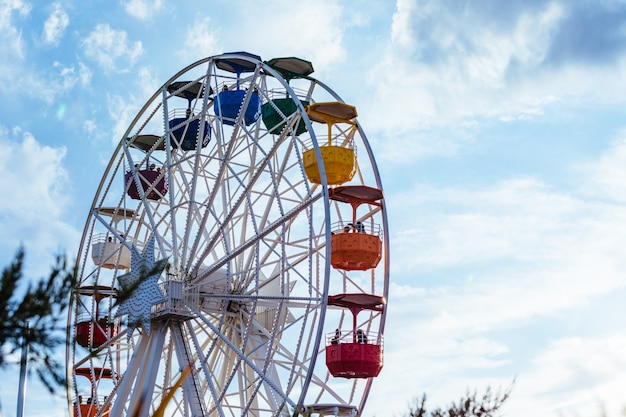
{"x": 499, "y": 129}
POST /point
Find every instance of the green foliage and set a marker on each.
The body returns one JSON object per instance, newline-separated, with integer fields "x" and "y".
{"x": 42, "y": 307}
{"x": 487, "y": 405}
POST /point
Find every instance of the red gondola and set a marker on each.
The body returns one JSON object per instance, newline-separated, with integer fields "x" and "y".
{"x": 96, "y": 330}
{"x": 356, "y": 353}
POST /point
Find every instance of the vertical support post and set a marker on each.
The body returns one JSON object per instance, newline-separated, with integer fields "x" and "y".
{"x": 23, "y": 362}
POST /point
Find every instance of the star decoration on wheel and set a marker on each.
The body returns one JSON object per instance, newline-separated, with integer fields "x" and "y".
{"x": 141, "y": 287}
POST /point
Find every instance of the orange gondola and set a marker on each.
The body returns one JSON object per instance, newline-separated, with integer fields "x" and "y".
{"x": 356, "y": 245}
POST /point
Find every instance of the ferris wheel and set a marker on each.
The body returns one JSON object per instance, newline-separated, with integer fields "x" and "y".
{"x": 235, "y": 259}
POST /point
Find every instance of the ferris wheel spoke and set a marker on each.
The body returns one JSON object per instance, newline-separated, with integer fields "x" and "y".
{"x": 208, "y": 382}
{"x": 189, "y": 192}
{"x": 245, "y": 186}
{"x": 246, "y": 245}
{"x": 186, "y": 358}
{"x": 227, "y": 363}
{"x": 270, "y": 373}
{"x": 299, "y": 251}
{"x": 284, "y": 358}
{"x": 242, "y": 357}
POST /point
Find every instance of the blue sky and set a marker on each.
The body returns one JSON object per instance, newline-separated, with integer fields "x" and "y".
{"x": 498, "y": 128}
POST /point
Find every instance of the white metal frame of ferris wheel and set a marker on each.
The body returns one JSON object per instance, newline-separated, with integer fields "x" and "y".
{"x": 221, "y": 216}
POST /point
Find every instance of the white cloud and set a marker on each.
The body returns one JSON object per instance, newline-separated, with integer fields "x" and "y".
{"x": 551, "y": 242}
{"x": 37, "y": 167}
{"x": 312, "y": 30}
{"x": 272, "y": 31}
{"x": 91, "y": 127}
{"x": 122, "y": 111}
{"x": 447, "y": 64}
{"x": 142, "y": 9}
{"x": 401, "y": 32}
{"x": 454, "y": 68}
{"x": 456, "y": 336}
{"x": 201, "y": 40}
{"x": 11, "y": 36}
{"x": 48, "y": 87}
{"x": 35, "y": 185}
{"x": 84, "y": 74}
{"x": 147, "y": 82}
{"x": 439, "y": 361}
{"x": 574, "y": 376}
{"x": 12, "y": 45}
{"x": 55, "y": 25}
{"x": 68, "y": 77}
{"x": 45, "y": 82}
{"x": 508, "y": 219}
{"x": 111, "y": 48}
{"x": 476, "y": 266}
{"x": 322, "y": 40}
{"x": 607, "y": 175}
